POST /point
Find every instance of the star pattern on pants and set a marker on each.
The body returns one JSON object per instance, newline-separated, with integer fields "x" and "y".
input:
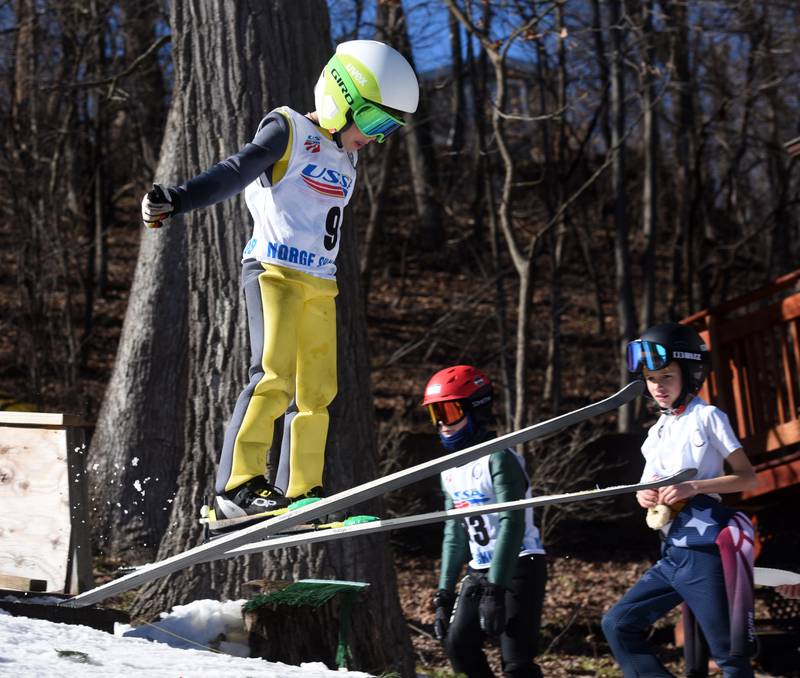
{"x": 700, "y": 520}
{"x": 680, "y": 542}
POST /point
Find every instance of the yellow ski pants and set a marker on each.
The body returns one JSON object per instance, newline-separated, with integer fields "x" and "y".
{"x": 292, "y": 324}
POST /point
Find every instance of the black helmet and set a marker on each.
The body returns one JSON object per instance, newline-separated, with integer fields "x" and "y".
{"x": 672, "y": 342}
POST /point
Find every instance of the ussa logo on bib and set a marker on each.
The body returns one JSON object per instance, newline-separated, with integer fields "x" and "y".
{"x": 326, "y": 181}
{"x": 312, "y": 143}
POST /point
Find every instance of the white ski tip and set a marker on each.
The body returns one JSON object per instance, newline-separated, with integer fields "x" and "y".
{"x": 768, "y": 576}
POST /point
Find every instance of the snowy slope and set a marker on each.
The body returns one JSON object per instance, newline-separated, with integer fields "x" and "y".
{"x": 34, "y": 647}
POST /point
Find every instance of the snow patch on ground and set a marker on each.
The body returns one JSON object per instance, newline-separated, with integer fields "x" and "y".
{"x": 33, "y": 648}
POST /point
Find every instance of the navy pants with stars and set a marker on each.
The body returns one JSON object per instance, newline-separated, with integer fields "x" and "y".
{"x": 693, "y": 575}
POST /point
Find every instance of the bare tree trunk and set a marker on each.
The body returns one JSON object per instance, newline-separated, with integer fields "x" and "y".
{"x": 147, "y": 90}
{"x": 623, "y": 288}
{"x": 522, "y": 258}
{"x": 552, "y": 388}
{"x": 681, "y": 273}
{"x": 455, "y": 138}
{"x": 393, "y": 29}
{"x": 650, "y": 142}
{"x": 602, "y": 64}
{"x": 484, "y": 203}
{"x": 139, "y": 435}
{"x": 376, "y": 191}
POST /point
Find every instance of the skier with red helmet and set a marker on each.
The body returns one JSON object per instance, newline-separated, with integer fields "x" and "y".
{"x": 707, "y": 549}
{"x": 503, "y": 590}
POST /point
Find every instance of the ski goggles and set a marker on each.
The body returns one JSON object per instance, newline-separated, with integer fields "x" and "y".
{"x": 447, "y": 413}
{"x": 372, "y": 121}
{"x": 649, "y": 354}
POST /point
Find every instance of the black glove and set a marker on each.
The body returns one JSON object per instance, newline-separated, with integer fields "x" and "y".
{"x": 492, "y": 609}
{"x": 443, "y": 602}
{"x": 157, "y": 205}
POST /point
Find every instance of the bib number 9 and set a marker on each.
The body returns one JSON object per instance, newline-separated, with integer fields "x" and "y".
{"x": 332, "y": 223}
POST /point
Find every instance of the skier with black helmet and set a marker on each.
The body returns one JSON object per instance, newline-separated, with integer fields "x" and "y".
{"x": 503, "y": 591}
{"x": 707, "y": 549}
{"x": 297, "y": 174}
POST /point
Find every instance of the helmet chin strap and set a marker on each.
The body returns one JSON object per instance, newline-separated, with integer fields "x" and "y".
{"x": 675, "y": 411}
{"x": 683, "y": 399}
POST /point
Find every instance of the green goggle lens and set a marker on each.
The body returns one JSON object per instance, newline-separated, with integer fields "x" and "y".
{"x": 373, "y": 121}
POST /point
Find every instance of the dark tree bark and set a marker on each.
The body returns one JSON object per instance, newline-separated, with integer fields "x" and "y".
{"x": 555, "y": 193}
{"x": 650, "y": 143}
{"x": 392, "y": 28}
{"x": 682, "y": 250}
{"x": 376, "y": 189}
{"x": 623, "y": 286}
{"x": 147, "y": 91}
{"x": 139, "y": 433}
{"x": 455, "y": 137}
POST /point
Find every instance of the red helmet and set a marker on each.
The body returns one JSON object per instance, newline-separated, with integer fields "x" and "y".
{"x": 462, "y": 383}
{"x": 455, "y": 383}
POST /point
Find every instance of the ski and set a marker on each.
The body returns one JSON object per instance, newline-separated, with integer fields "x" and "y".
{"x": 349, "y": 498}
{"x": 373, "y": 527}
{"x": 305, "y": 527}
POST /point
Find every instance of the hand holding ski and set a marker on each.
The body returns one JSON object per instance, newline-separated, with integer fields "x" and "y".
{"x": 452, "y": 514}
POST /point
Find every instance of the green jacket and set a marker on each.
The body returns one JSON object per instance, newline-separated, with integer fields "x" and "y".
{"x": 510, "y": 483}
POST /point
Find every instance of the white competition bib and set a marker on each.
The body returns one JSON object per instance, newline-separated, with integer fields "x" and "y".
{"x": 471, "y": 485}
{"x": 297, "y": 222}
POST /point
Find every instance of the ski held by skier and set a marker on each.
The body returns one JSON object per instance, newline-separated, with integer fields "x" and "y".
{"x": 707, "y": 548}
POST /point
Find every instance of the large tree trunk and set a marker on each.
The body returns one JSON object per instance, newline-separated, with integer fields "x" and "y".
{"x": 228, "y": 64}
{"x": 138, "y": 443}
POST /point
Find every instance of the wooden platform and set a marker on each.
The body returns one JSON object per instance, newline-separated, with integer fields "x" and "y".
{"x": 755, "y": 352}
{"x": 32, "y": 605}
{"x": 44, "y": 525}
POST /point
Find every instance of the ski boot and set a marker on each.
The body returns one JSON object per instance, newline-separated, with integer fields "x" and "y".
{"x": 249, "y": 503}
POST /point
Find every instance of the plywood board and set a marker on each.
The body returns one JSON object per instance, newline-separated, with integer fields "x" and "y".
{"x": 34, "y": 494}
{"x": 38, "y": 419}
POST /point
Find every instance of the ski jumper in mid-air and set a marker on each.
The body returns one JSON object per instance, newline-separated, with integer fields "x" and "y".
{"x": 297, "y": 175}
{"x": 707, "y": 548}
{"x": 502, "y": 594}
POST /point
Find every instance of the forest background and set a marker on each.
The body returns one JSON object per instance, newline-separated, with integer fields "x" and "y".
{"x": 577, "y": 170}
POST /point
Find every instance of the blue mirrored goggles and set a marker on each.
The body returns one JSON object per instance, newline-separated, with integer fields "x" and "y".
{"x": 649, "y": 354}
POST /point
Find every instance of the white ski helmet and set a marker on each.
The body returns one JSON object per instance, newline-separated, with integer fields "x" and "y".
{"x": 379, "y": 74}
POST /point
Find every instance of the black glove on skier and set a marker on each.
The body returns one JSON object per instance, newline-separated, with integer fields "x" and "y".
{"x": 492, "y": 609}
{"x": 157, "y": 205}
{"x": 443, "y": 602}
